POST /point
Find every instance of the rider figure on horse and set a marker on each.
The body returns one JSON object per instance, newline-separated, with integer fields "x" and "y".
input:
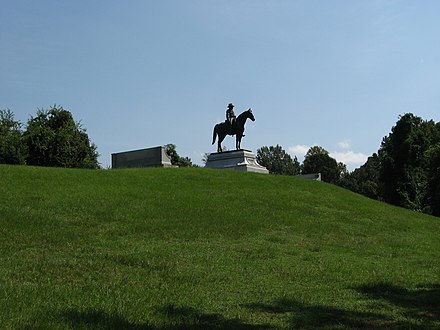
{"x": 230, "y": 117}
{"x": 231, "y": 126}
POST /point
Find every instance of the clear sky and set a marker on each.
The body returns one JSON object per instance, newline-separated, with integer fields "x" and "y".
{"x": 145, "y": 73}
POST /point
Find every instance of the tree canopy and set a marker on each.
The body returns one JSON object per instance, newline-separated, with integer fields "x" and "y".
{"x": 277, "y": 160}
{"x": 433, "y": 173}
{"x": 176, "y": 159}
{"x": 406, "y": 170}
{"x": 54, "y": 138}
{"x": 365, "y": 179}
{"x": 12, "y": 148}
{"x": 318, "y": 160}
{"x": 51, "y": 138}
{"x": 404, "y": 167}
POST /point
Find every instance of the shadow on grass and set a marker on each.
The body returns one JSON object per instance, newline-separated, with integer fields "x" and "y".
{"x": 174, "y": 318}
{"x": 94, "y": 319}
{"x": 421, "y": 303}
{"x": 417, "y": 309}
{"x": 308, "y": 316}
{"x": 190, "y": 318}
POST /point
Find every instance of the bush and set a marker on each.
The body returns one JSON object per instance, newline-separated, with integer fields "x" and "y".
{"x": 12, "y": 148}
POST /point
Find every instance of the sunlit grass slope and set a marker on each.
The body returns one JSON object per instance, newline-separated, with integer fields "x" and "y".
{"x": 208, "y": 249}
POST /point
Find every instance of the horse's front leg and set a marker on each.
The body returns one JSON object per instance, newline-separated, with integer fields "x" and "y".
{"x": 238, "y": 141}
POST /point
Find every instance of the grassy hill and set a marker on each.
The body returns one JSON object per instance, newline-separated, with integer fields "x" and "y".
{"x": 208, "y": 249}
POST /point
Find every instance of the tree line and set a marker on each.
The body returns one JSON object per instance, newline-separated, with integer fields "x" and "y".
{"x": 406, "y": 169}
{"x": 404, "y": 172}
{"x": 316, "y": 160}
{"x": 51, "y": 138}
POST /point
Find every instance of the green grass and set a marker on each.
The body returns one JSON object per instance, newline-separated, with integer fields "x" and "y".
{"x": 208, "y": 249}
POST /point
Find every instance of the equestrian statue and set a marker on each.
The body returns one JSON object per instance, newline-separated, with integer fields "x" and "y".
{"x": 232, "y": 126}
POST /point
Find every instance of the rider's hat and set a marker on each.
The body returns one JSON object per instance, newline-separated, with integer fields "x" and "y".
{"x": 230, "y": 105}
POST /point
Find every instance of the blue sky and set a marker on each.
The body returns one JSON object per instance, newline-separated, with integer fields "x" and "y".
{"x": 140, "y": 74}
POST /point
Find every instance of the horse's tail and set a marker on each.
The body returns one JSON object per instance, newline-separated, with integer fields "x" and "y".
{"x": 214, "y": 134}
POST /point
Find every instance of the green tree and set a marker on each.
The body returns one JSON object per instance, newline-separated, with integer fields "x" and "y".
{"x": 177, "y": 160}
{"x": 318, "y": 160}
{"x": 278, "y": 161}
{"x": 404, "y": 166}
{"x": 53, "y": 138}
{"x": 365, "y": 180}
{"x": 12, "y": 147}
{"x": 433, "y": 200}
{"x": 406, "y": 169}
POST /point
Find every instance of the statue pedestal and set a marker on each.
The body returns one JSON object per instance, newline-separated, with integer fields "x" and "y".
{"x": 238, "y": 160}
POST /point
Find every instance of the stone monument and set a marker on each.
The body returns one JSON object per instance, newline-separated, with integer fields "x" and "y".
{"x": 240, "y": 159}
{"x": 149, "y": 157}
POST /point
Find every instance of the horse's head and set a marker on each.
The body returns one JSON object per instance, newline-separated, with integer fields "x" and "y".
{"x": 241, "y": 119}
{"x": 250, "y": 115}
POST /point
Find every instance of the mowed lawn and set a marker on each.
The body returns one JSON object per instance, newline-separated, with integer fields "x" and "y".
{"x": 208, "y": 249}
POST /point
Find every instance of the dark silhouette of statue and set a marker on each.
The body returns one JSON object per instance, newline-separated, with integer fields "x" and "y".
{"x": 232, "y": 126}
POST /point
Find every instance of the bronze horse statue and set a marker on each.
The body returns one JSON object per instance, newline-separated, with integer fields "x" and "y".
{"x": 237, "y": 129}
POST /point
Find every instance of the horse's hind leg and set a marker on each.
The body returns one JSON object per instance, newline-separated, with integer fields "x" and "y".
{"x": 219, "y": 146}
